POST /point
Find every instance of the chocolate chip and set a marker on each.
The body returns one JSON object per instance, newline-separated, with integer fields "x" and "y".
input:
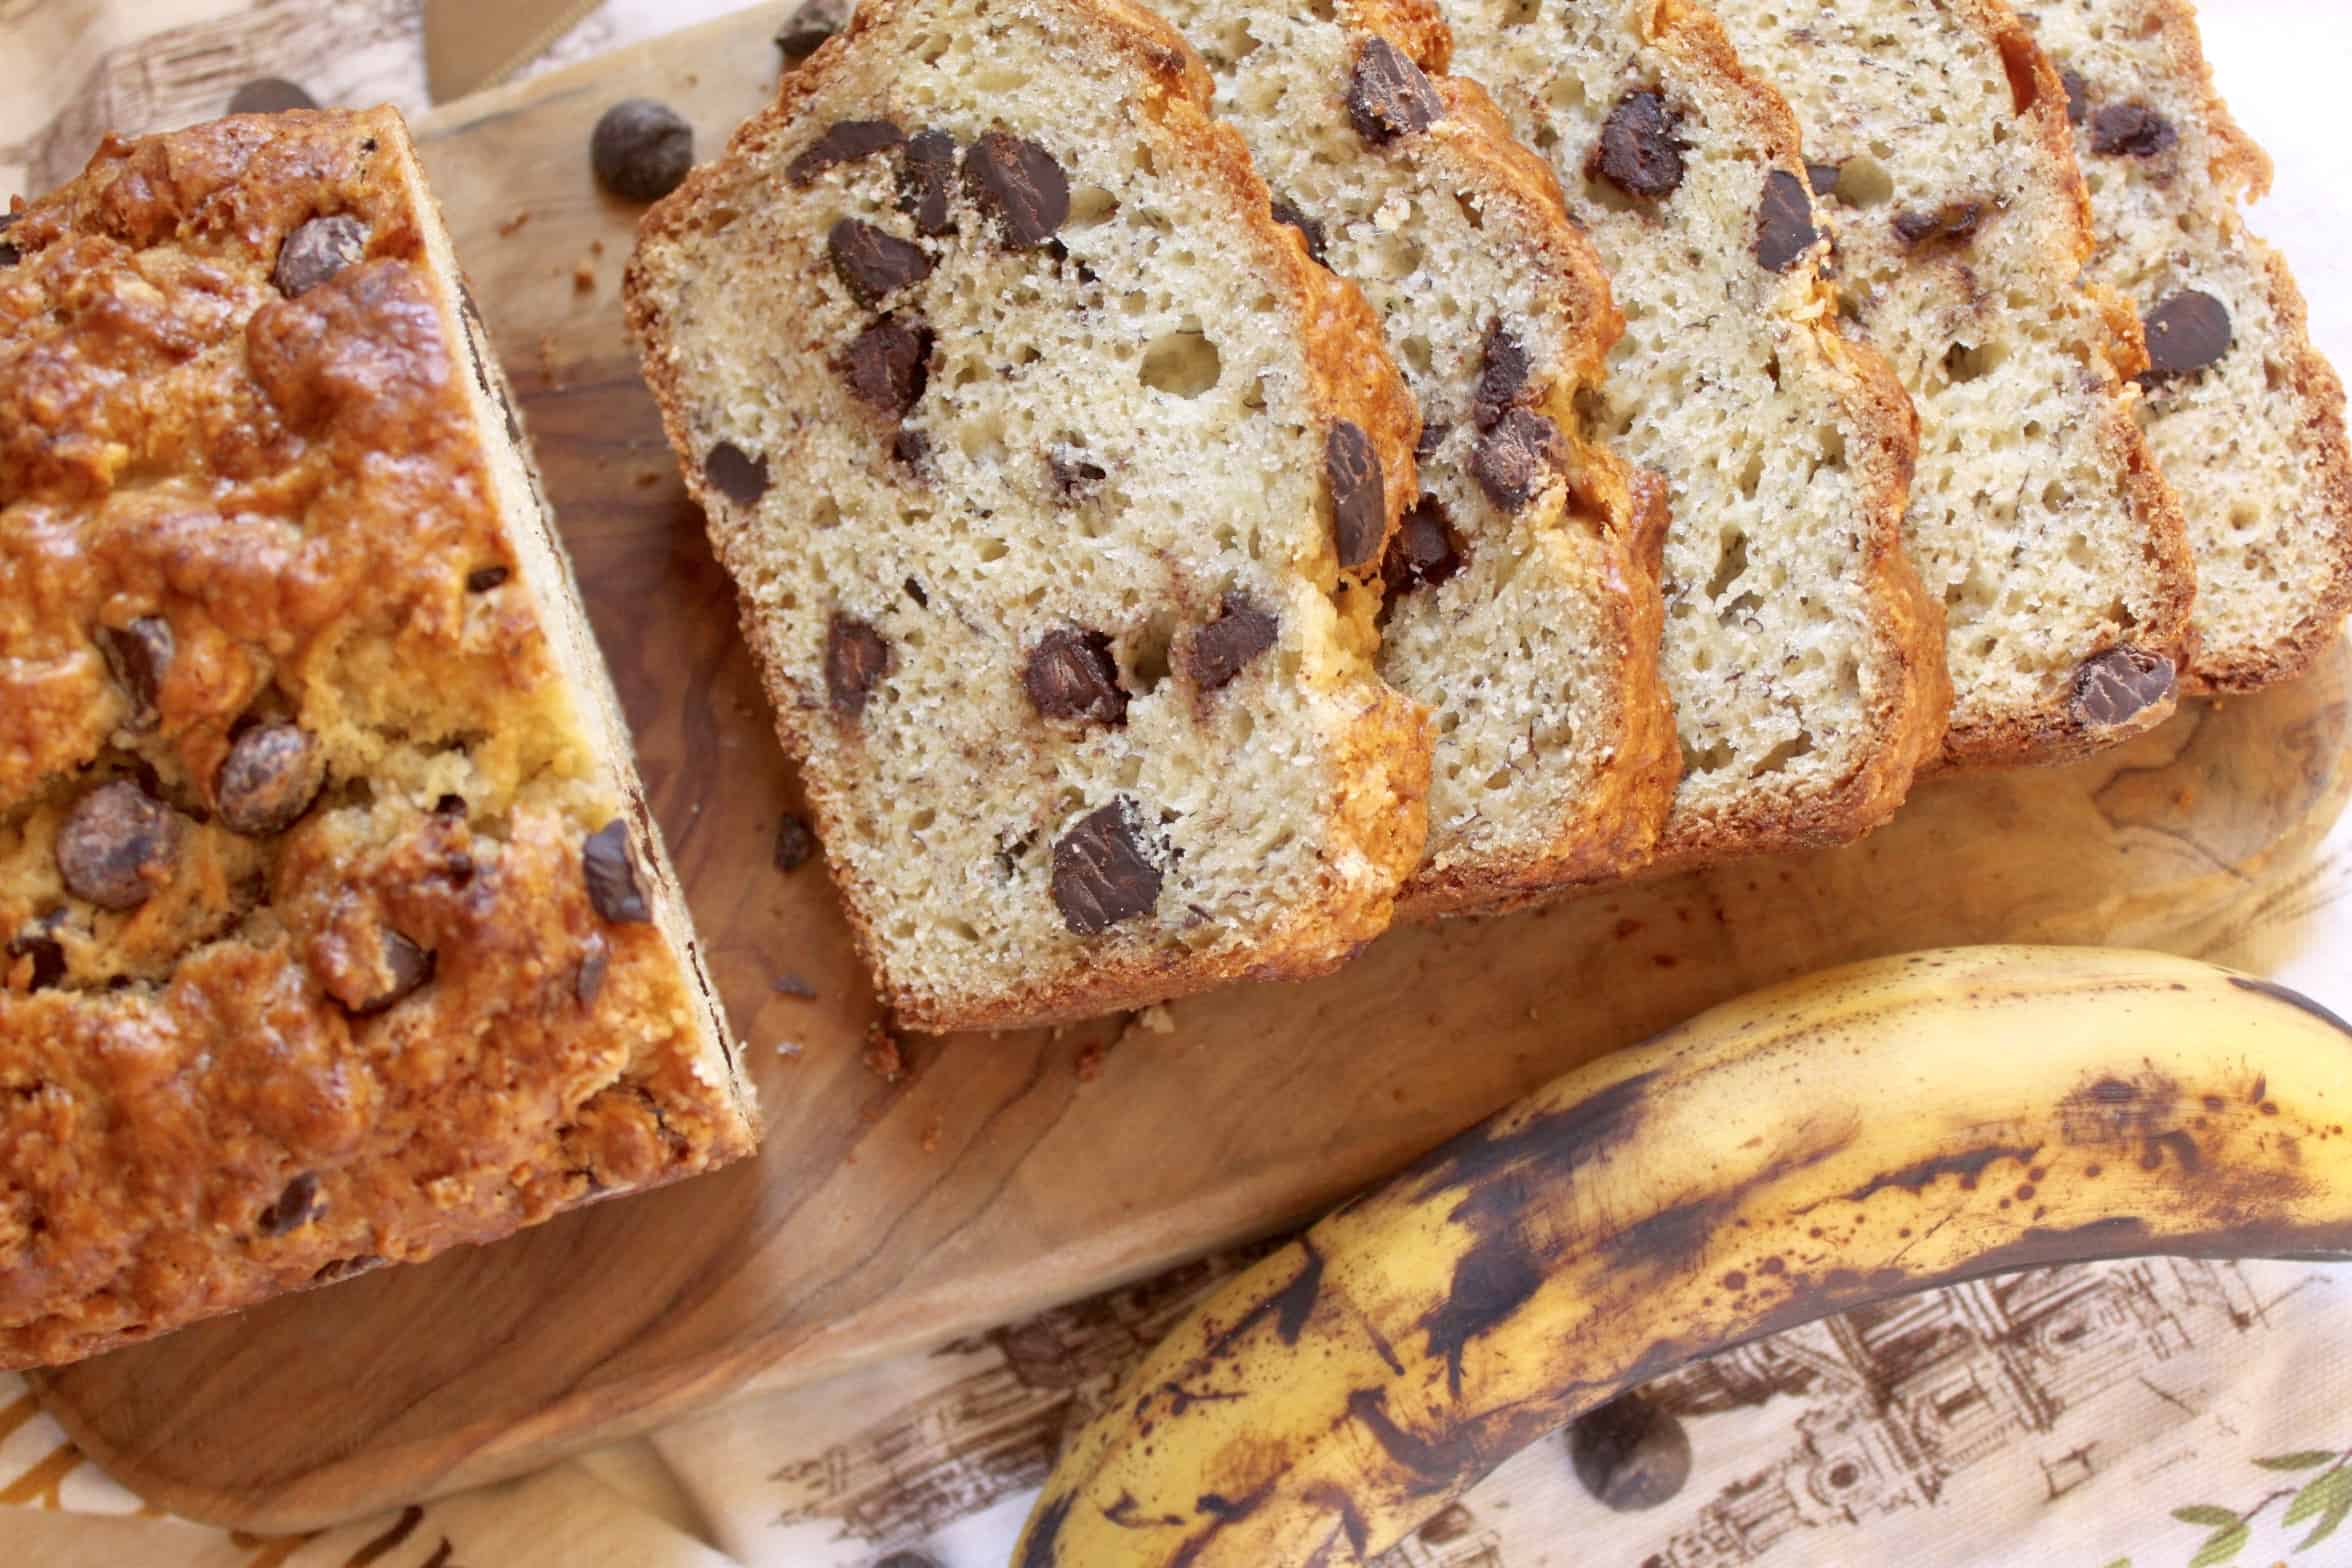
{"x": 9, "y": 254}
{"x": 1954, "y": 223}
{"x": 1639, "y": 152}
{"x": 911, "y": 447}
{"x": 39, "y": 943}
{"x": 1226, "y": 646}
{"x": 2131, "y": 130}
{"x": 856, "y": 659}
{"x": 924, "y": 177}
{"x": 1017, "y": 183}
{"x": 1359, "y": 504}
{"x": 344, "y": 1268}
{"x": 888, "y": 364}
{"x": 608, "y": 860}
{"x": 271, "y": 776}
{"x": 2187, "y": 332}
{"x": 1630, "y": 1453}
{"x": 118, "y": 846}
{"x": 269, "y": 95}
{"x": 595, "y": 961}
{"x": 640, "y": 149}
{"x": 1073, "y": 475}
{"x": 1784, "y": 222}
{"x": 1071, "y": 675}
{"x": 1823, "y": 177}
{"x": 873, "y": 265}
{"x": 2122, "y": 682}
{"x": 795, "y": 844}
{"x": 736, "y": 474}
{"x": 484, "y": 578}
{"x": 296, "y": 1207}
{"x": 140, "y": 657}
{"x": 405, "y": 969}
{"x": 1309, "y": 230}
{"x": 844, "y": 141}
{"x": 810, "y": 26}
{"x": 1101, "y": 872}
{"x": 1387, "y": 95}
{"x": 2078, "y": 95}
{"x": 317, "y": 251}
{"x": 1511, "y": 460}
{"x": 1425, "y": 550}
{"x": 450, "y": 806}
{"x": 1433, "y": 434}
{"x": 1503, "y": 369}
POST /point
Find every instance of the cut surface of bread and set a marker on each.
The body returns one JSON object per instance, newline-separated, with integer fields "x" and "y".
{"x": 1521, "y": 608}
{"x": 334, "y": 930}
{"x": 1804, "y": 665}
{"x": 2037, "y": 516}
{"x": 2244, "y": 416}
{"x": 1055, "y": 479}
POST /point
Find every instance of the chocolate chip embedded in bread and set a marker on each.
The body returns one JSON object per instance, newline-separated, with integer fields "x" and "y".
{"x": 595, "y": 961}
{"x": 1784, "y": 222}
{"x": 1071, "y": 675}
{"x": 795, "y": 844}
{"x": 844, "y": 141}
{"x": 140, "y": 656}
{"x": 1310, "y": 231}
{"x": 608, "y": 862}
{"x": 1433, "y": 434}
{"x": 1102, "y": 873}
{"x": 810, "y": 26}
{"x": 1823, "y": 177}
{"x": 1073, "y": 474}
{"x": 640, "y": 149}
{"x": 912, "y": 448}
{"x": 1503, "y": 371}
{"x": 2078, "y": 95}
{"x": 296, "y": 1206}
{"x": 1387, "y": 96}
{"x": 1954, "y": 223}
{"x": 402, "y": 970}
{"x": 888, "y": 364}
{"x": 345, "y": 1268}
{"x": 2187, "y": 332}
{"x": 1425, "y": 550}
{"x": 1020, "y": 186}
{"x": 270, "y": 95}
{"x": 118, "y": 846}
{"x": 1513, "y": 459}
{"x": 271, "y": 776}
{"x": 1639, "y": 152}
{"x": 2120, "y": 684}
{"x": 317, "y": 251}
{"x": 1226, "y": 646}
{"x": 1359, "y": 503}
{"x": 9, "y": 254}
{"x": 873, "y": 265}
{"x": 736, "y": 474}
{"x": 924, "y": 177}
{"x": 484, "y": 578}
{"x": 37, "y": 942}
{"x": 856, "y": 658}
{"x": 2131, "y": 130}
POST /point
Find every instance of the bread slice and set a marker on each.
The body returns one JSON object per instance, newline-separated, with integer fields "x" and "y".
{"x": 2037, "y": 515}
{"x": 1804, "y": 663}
{"x": 1056, "y": 480}
{"x": 334, "y": 928}
{"x": 1521, "y": 606}
{"x": 2244, "y": 416}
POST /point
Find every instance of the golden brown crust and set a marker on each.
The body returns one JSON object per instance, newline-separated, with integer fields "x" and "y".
{"x": 199, "y": 1112}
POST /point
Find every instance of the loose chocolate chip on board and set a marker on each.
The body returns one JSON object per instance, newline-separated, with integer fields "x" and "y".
{"x": 1019, "y": 185}
{"x": 810, "y": 26}
{"x": 1954, "y": 223}
{"x": 844, "y": 141}
{"x": 736, "y": 474}
{"x": 1101, "y": 871}
{"x": 1071, "y": 675}
{"x": 295, "y": 1207}
{"x": 856, "y": 658}
{"x": 2131, "y": 130}
{"x": 317, "y": 251}
{"x": 609, "y": 863}
{"x": 271, "y": 776}
{"x": 1227, "y": 645}
{"x": 1823, "y": 177}
{"x": 1309, "y": 230}
{"x": 795, "y": 844}
{"x": 1359, "y": 503}
{"x": 1387, "y": 95}
{"x": 484, "y": 578}
{"x": 140, "y": 656}
{"x": 1639, "y": 152}
{"x": 406, "y": 967}
{"x": 1511, "y": 460}
{"x": 2078, "y": 95}
{"x": 873, "y": 265}
{"x": 269, "y": 95}
{"x": 1784, "y": 222}
{"x": 641, "y": 149}
{"x": 595, "y": 960}
{"x": 2187, "y": 332}
{"x": 1073, "y": 474}
{"x": 2119, "y": 684}
{"x": 39, "y": 943}
{"x": 1630, "y": 1453}
{"x": 1503, "y": 370}
{"x": 888, "y": 365}
{"x": 1425, "y": 550}
{"x": 924, "y": 177}
{"x": 118, "y": 846}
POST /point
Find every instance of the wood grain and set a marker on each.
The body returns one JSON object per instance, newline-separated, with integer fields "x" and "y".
{"x": 993, "y": 1178}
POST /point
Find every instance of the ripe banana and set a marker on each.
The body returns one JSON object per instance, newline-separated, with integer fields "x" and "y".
{"x": 1873, "y": 1131}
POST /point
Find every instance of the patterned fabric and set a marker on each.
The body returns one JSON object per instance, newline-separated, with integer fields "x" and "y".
{"x": 2152, "y": 1414}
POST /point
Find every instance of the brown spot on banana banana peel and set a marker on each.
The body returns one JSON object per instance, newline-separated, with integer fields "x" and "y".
{"x": 1335, "y": 1500}
{"x": 1290, "y": 1307}
{"x": 1042, "y": 1546}
{"x": 1126, "y": 1513}
{"x": 1920, "y": 1175}
{"x": 1548, "y": 1146}
{"x": 2292, "y": 997}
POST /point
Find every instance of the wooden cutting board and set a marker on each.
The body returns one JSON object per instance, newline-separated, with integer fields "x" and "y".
{"x": 997, "y": 1175}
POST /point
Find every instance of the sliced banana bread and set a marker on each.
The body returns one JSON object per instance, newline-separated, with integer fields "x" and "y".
{"x": 1804, "y": 663}
{"x": 1521, "y": 607}
{"x": 1938, "y": 133}
{"x": 1056, "y": 481}
{"x": 2243, "y": 414}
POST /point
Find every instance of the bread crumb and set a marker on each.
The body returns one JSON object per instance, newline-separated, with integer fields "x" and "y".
{"x": 934, "y": 1131}
{"x": 882, "y": 1056}
{"x": 1157, "y": 1019}
{"x": 648, "y": 479}
{"x": 584, "y": 278}
{"x": 514, "y": 225}
{"x": 1090, "y": 1063}
{"x": 596, "y": 247}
